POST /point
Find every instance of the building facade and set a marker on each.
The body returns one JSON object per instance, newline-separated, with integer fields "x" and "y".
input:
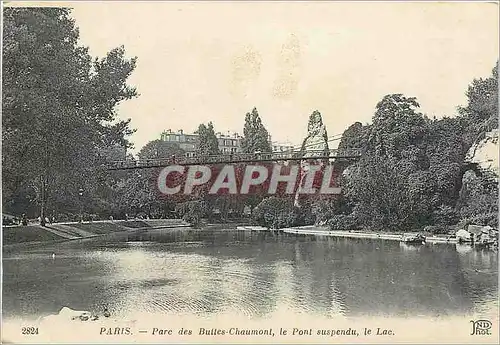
{"x": 282, "y": 147}
{"x": 228, "y": 143}
{"x": 187, "y": 142}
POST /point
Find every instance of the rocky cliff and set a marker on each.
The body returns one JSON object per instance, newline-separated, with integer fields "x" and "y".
{"x": 485, "y": 152}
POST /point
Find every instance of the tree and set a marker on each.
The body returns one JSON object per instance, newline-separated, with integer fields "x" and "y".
{"x": 398, "y": 127}
{"x": 207, "y": 141}
{"x": 158, "y": 149}
{"x": 138, "y": 192}
{"x": 482, "y": 106}
{"x": 255, "y": 135}
{"x": 391, "y": 186}
{"x": 58, "y": 107}
{"x": 479, "y": 199}
{"x": 354, "y": 137}
{"x": 378, "y": 192}
{"x": 446, "y": 147}
{"x": 192, "y": 211}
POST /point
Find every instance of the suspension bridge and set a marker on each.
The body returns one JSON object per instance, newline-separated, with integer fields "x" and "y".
{"x": 295, "y": 154}
{"x": 234, "y": 158}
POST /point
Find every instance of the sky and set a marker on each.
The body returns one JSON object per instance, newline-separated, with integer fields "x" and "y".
{"x": 215, "y": 61}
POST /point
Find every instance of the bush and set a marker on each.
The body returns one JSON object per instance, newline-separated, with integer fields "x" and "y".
{"x": 275, "y": 213}
{"x": 444, "y": 215}
{"x": 343, "y": 222}
{"x": 437, "y": 229}
{"x": 192, "y": 211}
{"x": 322, "y": 210}
{"x": 65, "y": 217}
{"x": 304, "y": 216}
{"x": 490, "y": 219}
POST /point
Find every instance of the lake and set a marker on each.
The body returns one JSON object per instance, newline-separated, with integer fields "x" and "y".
{"x": 205, "y": 272}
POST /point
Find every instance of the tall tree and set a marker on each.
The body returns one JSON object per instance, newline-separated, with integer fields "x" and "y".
{"x": 391, "y": 185}
{"x": 207, "y": 140}
{"x": 482, "y": 105}
{"x": 58, "y": 106}
{"x": 398, "y": 127}
{"x": 255, "y": 135}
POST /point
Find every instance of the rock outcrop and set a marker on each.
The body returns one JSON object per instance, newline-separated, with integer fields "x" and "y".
{"x": 317, "y": 137}
{"x": 317, "y": 140}
{"x": 484, "y": 153}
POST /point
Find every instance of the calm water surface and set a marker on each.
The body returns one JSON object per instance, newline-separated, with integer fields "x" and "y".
{"x": 206, "y": 272}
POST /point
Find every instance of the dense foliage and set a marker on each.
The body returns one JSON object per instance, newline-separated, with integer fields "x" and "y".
{"x": 412, "y": 172}
{"x": 58, "y": 116}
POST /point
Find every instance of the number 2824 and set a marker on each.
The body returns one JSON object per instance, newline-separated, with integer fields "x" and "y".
{"x": 29, "y": 330}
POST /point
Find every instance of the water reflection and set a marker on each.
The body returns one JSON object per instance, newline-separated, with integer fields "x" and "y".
{"x": 253, "y": 273}
{"x": 480, "y": 270}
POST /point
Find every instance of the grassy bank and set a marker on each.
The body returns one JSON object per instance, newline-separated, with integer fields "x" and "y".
{"x": 60, "y": 231}
{"x": 99, "y": 228}
{"x": 30, "y": 233}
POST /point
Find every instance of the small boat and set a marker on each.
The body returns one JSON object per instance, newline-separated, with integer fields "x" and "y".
{"x": 413, "y": 239}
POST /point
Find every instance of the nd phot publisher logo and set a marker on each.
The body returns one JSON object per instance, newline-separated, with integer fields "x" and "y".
{"x": 481, "y": 327}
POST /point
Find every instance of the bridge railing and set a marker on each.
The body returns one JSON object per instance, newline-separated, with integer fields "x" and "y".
{"x": 235, "y": 158}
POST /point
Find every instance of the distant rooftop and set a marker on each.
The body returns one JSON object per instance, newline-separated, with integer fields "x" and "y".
{"x": 227, "y": 134}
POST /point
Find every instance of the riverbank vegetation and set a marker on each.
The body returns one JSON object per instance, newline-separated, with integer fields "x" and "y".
{"x": 60, "y": 127}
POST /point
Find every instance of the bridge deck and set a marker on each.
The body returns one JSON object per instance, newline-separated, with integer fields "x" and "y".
{"x": 234, "y": 158}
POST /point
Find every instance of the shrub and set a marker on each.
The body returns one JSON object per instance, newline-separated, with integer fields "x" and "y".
{"x": 192, "y": 211}
{"x": 275, "y": 213}
{"x": 490, "y": 219}
{"x": 437, "y": 229}
{"x": 444, "y": 215}
{"x": 343, "y": 222}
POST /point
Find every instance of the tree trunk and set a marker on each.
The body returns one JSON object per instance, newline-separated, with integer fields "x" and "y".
{"x": 42, "y": 206}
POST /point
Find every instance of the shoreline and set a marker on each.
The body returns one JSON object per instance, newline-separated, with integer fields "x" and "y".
{"x": 300, "y": 230}
{"x": 122, "y": 229}
{"x": 313, "y": 230}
